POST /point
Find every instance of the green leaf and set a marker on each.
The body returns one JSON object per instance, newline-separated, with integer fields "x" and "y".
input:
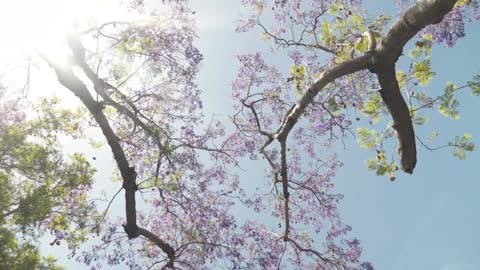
{"x": 422, "y": 47}
{"x": 361, "y": 46}
{"x": 298, "y": 71}
{"x": 382, "y": 166}
{"x": 298, "y": 76}
{"x": 333, "y": 105}
{"x": 420, "y": 120}
{"x": 462, "y": 3}
{"x": 449, "y": 104}
{"x": 475, "y": 85}
{"x": 373, "y": 107}
{"x": 432, "y": 136}
{"x": 423, "y": 72}
{"x": 96, "y": 144}
{"x": 415, "y": 53}
{"x": 265, "y": 37}
{"x": 462, "y": 145}
{"x": 367, "y": 139}
{"x": 401, "y": 78}
{"x": 326, "y": 34}
{"x": 335, "y": 9}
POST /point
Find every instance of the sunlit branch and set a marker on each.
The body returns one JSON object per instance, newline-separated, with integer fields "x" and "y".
{"x": 382, "y": 61}
{"x": 442, "y": 96}
{"x": 285, "y": 42}
{"x": 298, "y": 247}
{"x": 438, "y": 147}
{"x": 328, "y": 76}
{"x": 100, "y": 87}
{"x": 67, "y": 78}
{"x": 109, "y": 204}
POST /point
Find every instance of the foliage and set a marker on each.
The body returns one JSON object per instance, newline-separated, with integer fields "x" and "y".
{"x": 462, "y": 145}
{"x": 320, "y": 36}
{"x": 135, "y": 82}
{"x": 45, "y": 191}
{"x": 475, "y": 84}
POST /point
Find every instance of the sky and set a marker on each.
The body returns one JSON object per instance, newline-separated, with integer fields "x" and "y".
{"x": 428, "y": 220}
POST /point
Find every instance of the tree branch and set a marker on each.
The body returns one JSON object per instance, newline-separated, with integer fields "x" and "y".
{"x": 328, "y": 76}
{"x": 383, "y": 60}
{"x": 67, "y": 78}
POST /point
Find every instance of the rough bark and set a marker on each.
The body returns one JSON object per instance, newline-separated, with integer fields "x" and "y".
{"x": 381, "y": 60}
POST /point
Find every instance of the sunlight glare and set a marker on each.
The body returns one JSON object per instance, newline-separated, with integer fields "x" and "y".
{"x": 29, "y": 25}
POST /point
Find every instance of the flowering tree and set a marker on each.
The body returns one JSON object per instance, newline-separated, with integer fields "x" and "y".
{"x": 134, "y": 80}
{"x": 343, "y": 62}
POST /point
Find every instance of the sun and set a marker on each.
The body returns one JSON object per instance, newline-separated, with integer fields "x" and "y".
{"x": 31, "y": 29}
{"x": 27, "y": 26}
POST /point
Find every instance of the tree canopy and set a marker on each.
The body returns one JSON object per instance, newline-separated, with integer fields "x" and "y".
{"x": 133, "y": 78}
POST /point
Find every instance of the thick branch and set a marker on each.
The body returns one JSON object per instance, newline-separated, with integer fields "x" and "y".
{"x": 159, "y": 243}
{"x": 100, "y": 86}
{"x": 328, "y": 76}
{"x": 397, "y": 107}
{"x": 383, "y": 61}
{"x": 68, "y": 79}
{"x": 286, "y": 193}
{"x": 420, "y": 15}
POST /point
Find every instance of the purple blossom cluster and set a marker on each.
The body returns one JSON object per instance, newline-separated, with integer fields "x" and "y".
{"x": 10, "y": 110}
{"x": 302, "y": 19}
{"x": 265, "y": 96}
{"x": 182, "y": 164}
{"x": 192, "y": 199}
{"x": 302, "y": 193}
{"x": 450, "y": 29}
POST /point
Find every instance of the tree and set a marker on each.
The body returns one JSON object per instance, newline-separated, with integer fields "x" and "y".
{"x": 323, "y": 92}
{"x": 42, "y": 187}
{"x": 334, "y": 52}
{"x": 135, "y": 82}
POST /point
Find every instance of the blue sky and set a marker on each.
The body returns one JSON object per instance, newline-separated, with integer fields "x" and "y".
{"x": 423, "y": 221}
{"x": 428, "y": 220}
